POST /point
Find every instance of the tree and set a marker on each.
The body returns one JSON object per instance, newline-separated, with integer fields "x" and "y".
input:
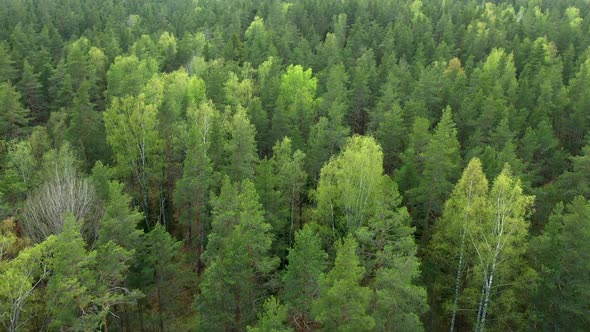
{"x": 65, "y": 191}
{"x": 363, "y": 83}
{"x": 348, "y": 186}
{"x": 307, "y": 262}
{"x": 237, "y": 259}
{"x": 391, "y": 135}
{"x": 258, "y": 44}
{"x": 388, "y": 250}
{"x": 328, "y": 134}
{"x": 86, "y": 126}
{"x": 84, "y": 285}
{"x": 413, "y": 159}
{"x": 290, "y": 178}
{"x": 452, "y": 251}
{"x": 295, "y": 106}
{"x": 191, "y": 196}
{"x": 13, "y": 117}
{"x": 31, "y": 90}
{"x": 7, "y": 71}
{"x": 500, "y": 247}
{"x": 560, "y": 255}
{"x": 160, "y": 274}
{"x": 441, "y": 169}
{"x": 128, "y": 75}
{"x": 167, "y": 49}
{"x": 20, "y": 278}
{"x": 268, "y": 88}
{"x": 491, "y": 95}
{"x": 272, "y": 319}
{"x": 132, "y": 132}
{"x": 576, "y": 123}
{"x": 342, "y": 304}
{"x": 19, "y": 176}
{"x": 240, "y": 148}
{"x": 119, "y": 222}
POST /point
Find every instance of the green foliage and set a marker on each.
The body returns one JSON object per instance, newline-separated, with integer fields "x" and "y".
{"x": 295, "y": 106}
{"x": 349, "y": 186}
{"x": 81, "y": 286}
{"x": 560, "y": 256}
{"x": 127, "y": 76}
{"x": 272, "y": 319}
{"x": 191, "y": 195}
{"x": 237, "y": 259}
{"x": 342, "y": 304}
{"x": 119, "y": 222}
{"x": 451, "y": 247}
{"x": 13, "y": 117}
{"x": 160, "y": 274}
{"x": 132, "y": 132}
{"x": 307, "y": 262}
{"x": 135, "y": 112}
{"x": 442, "y": 162}
{"x": 240, "y": 148}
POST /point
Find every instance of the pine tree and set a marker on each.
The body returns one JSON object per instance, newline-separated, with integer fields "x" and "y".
{"x": 327, "y": 136}
{"x": 7, "y": 71}
{"x": 290, "y": 181}
{"x": 391, "y": 134}
{"x": 160, "y": 274}
{"x": 31, "y": 90}
{"x": 119, "y": 222}
{"x": 560, "y": 257}
{"x": 240, "y": 148}
{"x": 13, "y": 117}
{"x": 388, "y": 250}
{"x": 307, "y": 262}
{"x": 363, "y": 83}
{"x": 342, "y": 304}
{"x": 272, "y": 319}
{"x": 191, "y": 196}
{"x": 237, "y": 259}
{"x": 441, "y": 169}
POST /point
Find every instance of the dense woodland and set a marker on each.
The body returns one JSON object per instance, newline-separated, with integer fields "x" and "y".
{"x": 382, "y": 165}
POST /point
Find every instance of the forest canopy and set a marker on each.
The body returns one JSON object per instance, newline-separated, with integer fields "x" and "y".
{"x": 205, "y": 165}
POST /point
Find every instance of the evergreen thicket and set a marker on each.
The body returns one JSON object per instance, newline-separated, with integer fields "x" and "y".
{"x": 205, "y": 165}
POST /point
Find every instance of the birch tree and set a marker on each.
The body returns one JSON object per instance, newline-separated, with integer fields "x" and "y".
{"x": 500, "y": 242}
{"x": 19, "y": 278}
{"x": 349, "y": 184}
{"x": 132, "y": 132}
{"x": 451, "y": 248}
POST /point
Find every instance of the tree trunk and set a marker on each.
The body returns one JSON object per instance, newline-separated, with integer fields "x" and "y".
{"x": 458, "y": 281}
{"x": 489, "y": 288}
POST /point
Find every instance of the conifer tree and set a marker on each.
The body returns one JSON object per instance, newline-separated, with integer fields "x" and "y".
{"x": 561, "y": 257}
{"x": 343, "y": 302}
{"x": 272, "y": 318}
{"x": 13, "y": 117}
{"x": 237, "y": 259}
{"x": 307, "y": 262}
{"x": 441, "y": 169}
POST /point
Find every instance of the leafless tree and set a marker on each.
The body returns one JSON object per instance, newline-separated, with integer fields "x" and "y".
{"x": 65, "y": 192}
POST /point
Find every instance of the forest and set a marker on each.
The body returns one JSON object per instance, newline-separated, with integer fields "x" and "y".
{"x": 310, "y": 165}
